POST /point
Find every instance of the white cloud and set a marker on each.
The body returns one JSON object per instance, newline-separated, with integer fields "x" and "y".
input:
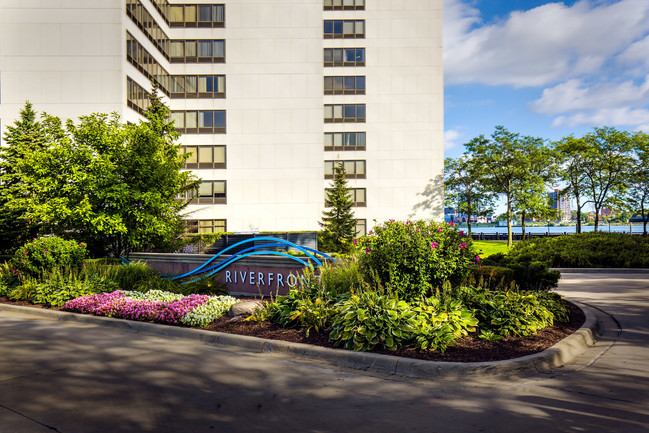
{"x": 574, "y": 95}
{"x": 623, "y": 116}
{"x": 541, "y": 46}
{"x": 451, "y": 138}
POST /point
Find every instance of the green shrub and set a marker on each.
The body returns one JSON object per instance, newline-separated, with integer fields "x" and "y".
{"x": 368, "y": 320}
{"x": 9, "y": 278}
{"x": 310, "y": 307}
{"x": 47, "y": 253}
{"x": 492, "y": 277}
{"x": 439, "y": 325}
{"x": 528, "y": 274}
{"x": 586, "y": 250}
{"x": 340, "y": 278}
{"x": 57, "y": 288}
{"x": 413, "y": 258}
{"x": 505, "y": 313}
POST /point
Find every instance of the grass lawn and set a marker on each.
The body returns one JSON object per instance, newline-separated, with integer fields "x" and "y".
{"x": 488, "y": 248}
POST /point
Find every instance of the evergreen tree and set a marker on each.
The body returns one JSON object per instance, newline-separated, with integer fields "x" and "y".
{"x": 26, "y": 137}
{"x": 338, "y": 223}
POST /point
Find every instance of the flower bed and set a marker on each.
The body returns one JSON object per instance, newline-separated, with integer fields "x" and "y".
{"x": 154, "y": 306}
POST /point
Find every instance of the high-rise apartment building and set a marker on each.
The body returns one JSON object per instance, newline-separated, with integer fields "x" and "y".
{"x": 561, "y": 203}
{"x": 270, "y": 95}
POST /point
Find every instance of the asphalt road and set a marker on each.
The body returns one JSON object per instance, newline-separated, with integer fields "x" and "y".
{"x": 70, "y": 377}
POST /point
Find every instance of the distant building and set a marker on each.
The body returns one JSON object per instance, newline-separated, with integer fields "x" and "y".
{"x": 606, "y": 212}
{"x": 561, "y": 203}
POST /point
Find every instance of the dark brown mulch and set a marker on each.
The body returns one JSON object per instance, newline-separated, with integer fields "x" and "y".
{"x": 467, "y": 349}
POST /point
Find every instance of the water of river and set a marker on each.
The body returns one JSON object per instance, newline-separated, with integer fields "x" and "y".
{"x": 633, "y": 228}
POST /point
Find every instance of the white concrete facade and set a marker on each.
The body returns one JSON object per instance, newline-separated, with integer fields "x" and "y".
{"x": 68, "y": 58}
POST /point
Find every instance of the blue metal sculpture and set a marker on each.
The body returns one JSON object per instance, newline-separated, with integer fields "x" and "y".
{"x": 205, "y": 270}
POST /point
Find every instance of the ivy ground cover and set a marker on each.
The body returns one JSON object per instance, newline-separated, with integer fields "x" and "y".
{"x": 154, "y": 306}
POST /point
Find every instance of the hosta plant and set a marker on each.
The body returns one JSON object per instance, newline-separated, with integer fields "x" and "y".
{"x": 369, "y": 320}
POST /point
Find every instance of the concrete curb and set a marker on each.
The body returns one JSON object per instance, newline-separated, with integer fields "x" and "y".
{"x": 602, "y": 270}
{"x": 562, "y": 353}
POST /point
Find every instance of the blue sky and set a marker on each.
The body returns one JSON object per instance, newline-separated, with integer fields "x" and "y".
{"x": 542, "y": 68}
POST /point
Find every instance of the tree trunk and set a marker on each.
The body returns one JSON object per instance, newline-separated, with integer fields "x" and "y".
{"x": 510, "y": 240}
{"x": 578, "y": 228}
{"x": 523, "y": 225}
{"x": 596, "y": 218}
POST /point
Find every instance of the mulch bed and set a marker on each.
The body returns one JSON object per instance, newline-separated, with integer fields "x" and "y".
{"x": 467, "y": 349}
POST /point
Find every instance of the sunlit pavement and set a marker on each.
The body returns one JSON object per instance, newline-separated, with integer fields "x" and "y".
{"x": 69, "y": 377}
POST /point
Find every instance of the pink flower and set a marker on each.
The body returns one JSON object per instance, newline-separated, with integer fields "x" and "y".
{"x": 80, "y": 244}
{"x": 451, "y": 224}
{"x": 25, "y": 253}
{"x": 46, "y": 251}
{"x": 477, "y": 258}
{"x": 462, "y": 245}
{"x": 370, "y": 232}
{"x": 439, "y": 230}
{"x": 433, "y": 245}
{"x": 367, "y": 250}
{"x": 355, "y": 240}
{"x": 461, "y": 232}
{"x": 479, "y": 266}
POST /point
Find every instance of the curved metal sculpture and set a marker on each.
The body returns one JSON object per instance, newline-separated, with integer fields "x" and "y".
{"x": 207, "y": 270}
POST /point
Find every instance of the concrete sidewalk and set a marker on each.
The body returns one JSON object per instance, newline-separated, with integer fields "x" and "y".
{"x": 68, "y": 376}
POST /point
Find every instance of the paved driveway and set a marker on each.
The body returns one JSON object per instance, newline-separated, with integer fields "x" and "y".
{"x": 68, "y": 378}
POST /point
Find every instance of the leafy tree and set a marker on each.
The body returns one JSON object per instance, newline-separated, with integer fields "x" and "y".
{"x": 465, "y": 187}
{"x": 530, "y": 196}
{"x": 571, "y": 153}
{"x": 339, "y": 223}
{"x": 638, "y": 185}
{"x": 507, "y": 156}
{"x": 111, "y": 185}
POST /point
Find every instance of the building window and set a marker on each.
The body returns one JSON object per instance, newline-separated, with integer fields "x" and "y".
{"x": 197, "y": 51}
{"x": 199, "y": 122}
{"x": 195, "y": 227}
{"x": 345, "y": 85}
{"x": 205, "y": 157}
{"x": 338, "y": 5}
{"x": 344, "y": 113}
{"x": 361, "y": 227}
{"x": 353, "y": 169}
{"x": 136, "y": 97}
{"x": 344, "y": 141}
{"x": 197, "y": 15}
{"x": 344, "y": 29}
{"x": 146, "y": 63}
{"x": 197, "y": 86}
{"x": 358, "y": 197}
{"x": 344, "y": 56}
{"x": 209, "y": 192}
{"x": 143, "y": 19}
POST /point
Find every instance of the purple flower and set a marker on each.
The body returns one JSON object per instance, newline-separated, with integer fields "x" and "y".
{"x": 355, "y": 240}
{"x": 433, "y": 245}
